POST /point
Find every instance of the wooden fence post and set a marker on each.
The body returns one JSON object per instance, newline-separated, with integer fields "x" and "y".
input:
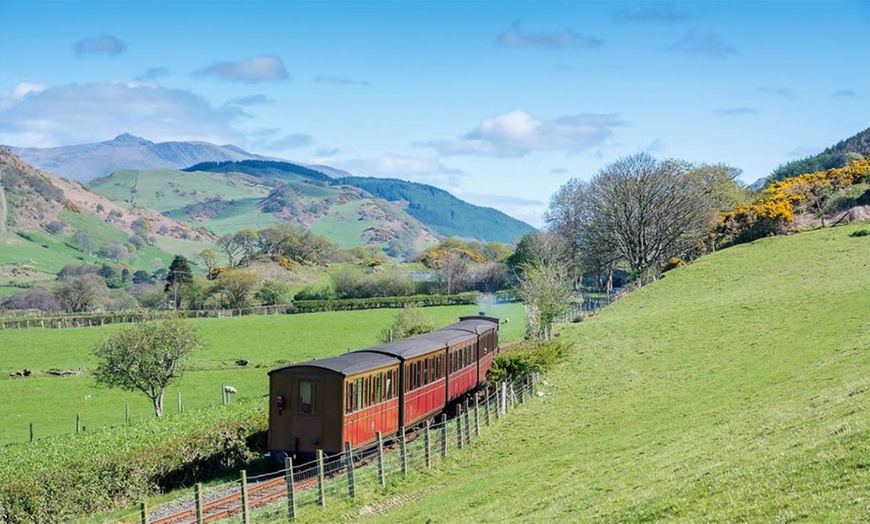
{"x": 78, "y": 423}
{"x": 467, "y": 422}
{"x": 428, "y": 445}
{"x": 486, "y": 416}
{"x": 197, "y": 498}
{"x": 477, "y": 416}
{"x": 459, "y": 426}
{"x": 31, "y": 432}
{"x": 403, "y": 450}
{"x": 143, "y": 512}
{"x": 503, "y": 399}
{"x": 246, "y": 518}
{"x": 180, "y": 407}
{"x": 127, "y": 413}
{"x": 321, "y": 494}
{"x": 351, "y": 489}
{"x": 291, "y": 488}
{"x": 381, "y": 476}
{"x": 444, "y": 436}
{"x": 523, "y": 391}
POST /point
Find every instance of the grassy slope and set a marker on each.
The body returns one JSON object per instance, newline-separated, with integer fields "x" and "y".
{"x": 735, "y": 389}
{"x": 51, "y": 402}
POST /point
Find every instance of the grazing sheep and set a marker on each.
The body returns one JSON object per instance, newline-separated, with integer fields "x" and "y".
{"x": 230, "y": 389}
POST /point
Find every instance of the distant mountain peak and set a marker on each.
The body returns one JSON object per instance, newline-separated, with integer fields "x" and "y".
{"x": 126, "y": 139}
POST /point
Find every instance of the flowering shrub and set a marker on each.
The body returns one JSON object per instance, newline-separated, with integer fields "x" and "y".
{"x": 775, "y": 210}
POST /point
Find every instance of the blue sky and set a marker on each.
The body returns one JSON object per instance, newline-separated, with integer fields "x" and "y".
{"x": 498, "y": 102}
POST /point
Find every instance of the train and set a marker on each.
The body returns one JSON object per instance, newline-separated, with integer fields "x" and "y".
{"x": 322, "y": 404}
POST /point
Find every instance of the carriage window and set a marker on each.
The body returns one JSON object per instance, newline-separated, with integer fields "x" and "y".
{"x": 306, "y": 397}
{"x": 359, "y": 382}
{"x": 390, "y": 384}
{"x": 348, "y": 402}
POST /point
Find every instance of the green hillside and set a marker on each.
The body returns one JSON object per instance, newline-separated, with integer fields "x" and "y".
{"x": 442, "y": 211}
{"x": 733, "y": 390}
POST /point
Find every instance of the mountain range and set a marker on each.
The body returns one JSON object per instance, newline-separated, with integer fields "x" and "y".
{"x": 283, "y": 192}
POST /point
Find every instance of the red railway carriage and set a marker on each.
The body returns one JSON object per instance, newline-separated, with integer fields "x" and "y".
{"x": 422, "y": 375}
{"x": 487, "y": 346}
{"x": 321, "y": 404}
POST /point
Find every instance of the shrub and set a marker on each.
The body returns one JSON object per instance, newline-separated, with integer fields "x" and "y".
{"x": 410, "y": 322}
{"x": 528, "y": 357}
{"x": 861, "y": 233}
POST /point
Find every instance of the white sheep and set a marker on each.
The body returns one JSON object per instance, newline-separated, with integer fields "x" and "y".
{"x": 230, "y": 389}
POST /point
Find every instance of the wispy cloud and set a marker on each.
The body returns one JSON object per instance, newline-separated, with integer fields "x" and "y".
{"x": 252, "y": 70}
{"x": 153, "y": 73}
{"x": 340, "y": 80}
{"x": 518, "y": 133}
{"x": 706, "y": 44}
{"x": 844, "y": 93}
{"x": 782, "y": 91}
{"x": 513, "y": 37}
{"x": 558, "y": 171}
{"x": 802, "y": 151}
{"x": 425, "y": 170}
{"x": 251, "y": 100}
{"x": 664, "y": 14}
{"x": 736, "y": 111}
{"x": 527, "y": 210}
{"x": 76, "y": 113}
{"x": 108, "y": 45}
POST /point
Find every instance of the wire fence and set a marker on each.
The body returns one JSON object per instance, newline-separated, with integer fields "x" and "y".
{"x": 342, "y": 476}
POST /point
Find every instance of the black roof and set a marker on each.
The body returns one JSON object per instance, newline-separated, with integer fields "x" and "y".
{"x": 347, "y": 364}
{"x": 434, "y": 340}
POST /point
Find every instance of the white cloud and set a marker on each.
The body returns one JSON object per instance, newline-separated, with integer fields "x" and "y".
{"x": 418, "y": 169}
{"x": 513, "y": 37}
{"x": 518, "y": 133}
{"x": 528, "y": 210}
{"x": 257, "y": 69}
{"x": 707, "y": 44}
{"x": 108, "y": 45}
{"x": 78, "y": 113}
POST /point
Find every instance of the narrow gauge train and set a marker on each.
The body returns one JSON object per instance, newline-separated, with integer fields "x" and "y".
{"x": 321, "y": 404}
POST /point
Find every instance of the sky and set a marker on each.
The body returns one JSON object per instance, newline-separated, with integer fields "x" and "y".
{"x": 498, "y": 102}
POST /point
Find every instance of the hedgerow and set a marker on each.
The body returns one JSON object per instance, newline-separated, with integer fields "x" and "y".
{"x": 308, "y": 306}
{"x": 60, "y": 478}
{"x": 528, "y": 357}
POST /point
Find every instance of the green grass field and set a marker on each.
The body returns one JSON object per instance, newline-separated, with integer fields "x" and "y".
{"x": 52, "y": 402}
{"x": 736, "y": 389}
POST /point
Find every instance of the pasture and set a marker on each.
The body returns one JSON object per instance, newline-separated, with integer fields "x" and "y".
{"x": 52, "y": 402}
{"x": 733, "y": 390}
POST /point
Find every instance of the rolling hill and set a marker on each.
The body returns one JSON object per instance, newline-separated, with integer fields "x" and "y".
{"x": 85, "y": 162}
{"x": 40, "y": 215}
{"x": 225, "y": 199}
{"x": 735, "y": 389}
{"x": 433, "y": 207}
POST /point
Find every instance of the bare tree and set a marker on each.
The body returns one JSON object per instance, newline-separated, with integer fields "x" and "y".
{"x": 209, "y": 259}
{"x": 80, "y": 293}
{"x": 230, "y": 245}
{"x": 146, "y": 357}
{"x": 647, "y": 210}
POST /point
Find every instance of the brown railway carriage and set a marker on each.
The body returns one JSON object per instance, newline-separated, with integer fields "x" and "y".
{"x": 321, "y": 404}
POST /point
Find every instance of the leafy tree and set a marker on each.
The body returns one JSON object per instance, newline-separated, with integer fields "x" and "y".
{"x": 234, "y": 288}
{"x": 146, "y": 357}
{"x": 114, "y": 251}
{"x": 248, "y": 240}
{"x": 55, "y": 226}
{"x": 409, "y": 323}
{"x": 272, "y": 292}
{"x": 140, "y": 277}
{"x": 178, "y": 275}
{"x": 80, "y": 293}
{"x": 209, "y": 259}
{"x": 546, "y": 291}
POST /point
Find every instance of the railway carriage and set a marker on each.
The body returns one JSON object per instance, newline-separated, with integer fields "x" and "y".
{"x": 321, "y": 404}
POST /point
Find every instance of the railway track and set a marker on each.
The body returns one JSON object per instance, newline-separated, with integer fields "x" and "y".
{"x": 266, "y": 492}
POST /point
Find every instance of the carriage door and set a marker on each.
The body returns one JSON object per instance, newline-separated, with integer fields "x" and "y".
{"x": 307, "y": 414}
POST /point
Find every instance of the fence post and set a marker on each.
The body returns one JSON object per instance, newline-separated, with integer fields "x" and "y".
{"x": 31, "y": 432}
{"x": 503, "y": 400}
{"x": 291, "y": 489}
{"x": 486, "y": 416}
{"x": 78, "y": 423}
{"x": 523, "y": 390}
{"x": 428, "y": 445}
{"x": 467, "y": 423}
{"x": 381, "y": 476}
{"x": 180, "y": 407}
{"x": 476, "y": 415}
{"x": 351, "y": 489}
{"x": 403, "y": 450}
{"x": 444, "y": 436}
{"x": 127, "y": 413}
{"x": 245, "y": 511}
{"x": 459, "y": 426}
{"x": 197, "y": 498}
{"x": 143, "y": 512}
{"x": 513, "y": 396}
{"x": 224, "y": 393}
{"x": 321, "y": 494}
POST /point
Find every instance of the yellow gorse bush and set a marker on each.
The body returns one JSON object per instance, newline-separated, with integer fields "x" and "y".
{"x": 774, "y": 211}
